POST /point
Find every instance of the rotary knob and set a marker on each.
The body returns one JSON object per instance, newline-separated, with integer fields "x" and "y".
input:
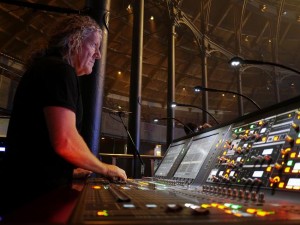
{"x": 295, "y": 126}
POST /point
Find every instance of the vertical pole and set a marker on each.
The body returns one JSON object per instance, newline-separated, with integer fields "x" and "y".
{"x": 276, "y": 85}
{"x": 204, "y": 65}
{"x": 204, "y": 81}
{"x": 135, "y": 85}
{"x": 92, "y": 85}
{"x": 239, "y": 87}
{"x": 171, "y": 84}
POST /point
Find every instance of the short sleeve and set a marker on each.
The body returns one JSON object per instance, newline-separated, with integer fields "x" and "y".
{"x": 60, "y": 86}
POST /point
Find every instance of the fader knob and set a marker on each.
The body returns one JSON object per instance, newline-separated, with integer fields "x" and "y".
{"x": 250, "y": 180}
{"x": 274, "y": 180}
{"x": 234, "y": 192}
{"x": 232, "y": 179}
{"x": 247, "y": 195}
{"x": 289, "y": 139}
{"x": 229, "y": 191}
{"x": 224, "y": 192}
{"x": 257, "y": 136}
{"x": 174, "y": 208}
{"x": 261, "y": 197}
{"x": 253, "y": 195}
{"x": 199, "y": 211}
{"x": 267, "y": 158}
{"x": 215, "y": 179}
{"x": 216, "y": 189}
{"x": 220, "y": 190}
{"x": 244, "y": 180}
{"x": 285, "y": 151}
{"x": 257, "y": 181}
{"x": 240, "y": 194}
{"x": 278, "y": 166}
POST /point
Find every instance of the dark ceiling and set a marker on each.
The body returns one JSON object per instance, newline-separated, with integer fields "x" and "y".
{"x": 267, "y": 30}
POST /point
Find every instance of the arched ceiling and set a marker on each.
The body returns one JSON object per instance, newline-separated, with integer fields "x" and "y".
{"x": 267, "y": 30}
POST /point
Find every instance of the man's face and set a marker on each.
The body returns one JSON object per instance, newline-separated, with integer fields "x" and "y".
{"x": 85, "y": 59}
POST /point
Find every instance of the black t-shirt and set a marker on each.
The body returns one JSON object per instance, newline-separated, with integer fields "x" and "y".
{"x": 29, "y": 156}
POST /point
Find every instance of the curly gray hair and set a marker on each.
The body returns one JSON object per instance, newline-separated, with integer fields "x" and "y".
{"x": 68, "y": 36}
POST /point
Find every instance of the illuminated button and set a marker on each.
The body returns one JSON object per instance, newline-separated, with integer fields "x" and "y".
{"x": 290, "y": 163}
{"x": 293, "y": 155}
{"x": 261, "y": 213}
{"x": 235, "y": 206}
{"x": 96, "y": 187}
{"x": 287, "y": 169}
{"x": 298, "y": 141}
{"x": 269, "y": 168}
{"x": 276, "y": 138}
{"x": 221, "y": 206}
{"x": 205, "y": 206}
{"x": 102, "y": 213}
{"x": 262, "y": 123}
{"x": 250, "y": 210}
{"x": 264, "y": 139}
{"x": 214, "y": 205}
{"x": 264, "y": 213}
{"x": 281, "y": 185}
{"x": 128, "y": 206}
{"x": 151, "y": 206}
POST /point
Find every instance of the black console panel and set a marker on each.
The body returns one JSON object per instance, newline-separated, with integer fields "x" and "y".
{"x": 243, "y": 172}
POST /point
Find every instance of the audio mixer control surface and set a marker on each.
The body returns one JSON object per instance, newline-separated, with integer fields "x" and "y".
{"x": 243, "y": 172}
{"x": 153, "y": 202}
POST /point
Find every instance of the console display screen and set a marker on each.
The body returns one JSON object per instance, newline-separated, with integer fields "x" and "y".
{"x": 195, "y": 157}
{"x": 169, "y": 159}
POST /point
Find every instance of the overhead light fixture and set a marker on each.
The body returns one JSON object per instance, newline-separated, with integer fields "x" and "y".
{"x": 200, "y": 88}
{"x": 263, "y": 8}
{"x": 238, "y": 61}
{"x": 173, "y": 118}
{"x": 175, "y": 104}
{"x": 151, "y": 18}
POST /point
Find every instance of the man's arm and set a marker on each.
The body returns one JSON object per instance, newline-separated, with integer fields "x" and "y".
{"x": 68, "y": 143}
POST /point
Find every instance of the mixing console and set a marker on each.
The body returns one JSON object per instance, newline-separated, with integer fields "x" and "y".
{"x": 243, "y": 172}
